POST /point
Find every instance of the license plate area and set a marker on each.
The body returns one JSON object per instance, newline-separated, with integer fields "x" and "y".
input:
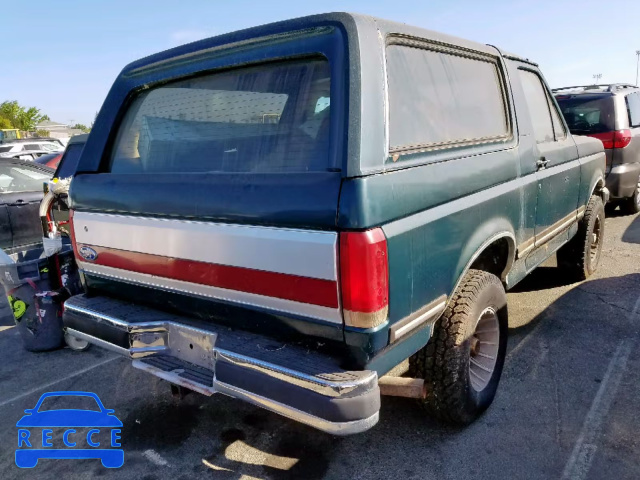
{"x": 192, "y": 345}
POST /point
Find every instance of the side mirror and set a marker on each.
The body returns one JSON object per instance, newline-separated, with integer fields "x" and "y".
{"x": 109, "y": 411}
{"x": 29, "y": 411}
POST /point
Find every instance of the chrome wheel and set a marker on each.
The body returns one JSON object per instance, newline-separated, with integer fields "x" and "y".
{"x": 484, "y": 345}
{"x": 637, "y": 199}
{"x": 594, "y": 247}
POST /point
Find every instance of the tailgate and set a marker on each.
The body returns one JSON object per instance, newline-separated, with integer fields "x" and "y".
{"x": 282, "y": 270}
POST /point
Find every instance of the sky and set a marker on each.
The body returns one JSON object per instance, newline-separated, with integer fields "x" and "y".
{"x": 63, "y": 56}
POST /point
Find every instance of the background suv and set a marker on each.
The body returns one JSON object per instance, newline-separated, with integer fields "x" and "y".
{"x": 610, "y": 113}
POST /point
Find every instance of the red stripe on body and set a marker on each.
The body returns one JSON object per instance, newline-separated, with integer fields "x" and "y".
{"x": 315, "y": 291}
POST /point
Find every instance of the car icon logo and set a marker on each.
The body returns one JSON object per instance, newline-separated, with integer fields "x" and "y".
{"x": 88, "y": 253}
{"x": 92, "y": 432}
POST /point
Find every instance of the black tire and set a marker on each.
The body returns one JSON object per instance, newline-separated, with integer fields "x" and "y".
{"x": 580, "y": 256}
{"x": 631, "y": 205}
{"x": 444, "y": 363}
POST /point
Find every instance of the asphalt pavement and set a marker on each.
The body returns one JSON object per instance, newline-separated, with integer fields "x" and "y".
{"x": 567, "y": 406}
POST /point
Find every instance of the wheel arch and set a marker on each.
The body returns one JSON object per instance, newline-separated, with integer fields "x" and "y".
{"x": 491, "y": 237}
{"x": 597, "y": 187}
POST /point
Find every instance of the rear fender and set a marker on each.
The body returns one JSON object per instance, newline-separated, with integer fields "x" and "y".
{"x": 484, "y": 236}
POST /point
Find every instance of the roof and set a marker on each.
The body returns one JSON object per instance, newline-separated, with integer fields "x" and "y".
{"x": 351, "y": 21}
{"x": 48, "y": 124}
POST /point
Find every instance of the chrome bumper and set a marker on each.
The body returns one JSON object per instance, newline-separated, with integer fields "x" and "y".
{"x": 306, "y": 386}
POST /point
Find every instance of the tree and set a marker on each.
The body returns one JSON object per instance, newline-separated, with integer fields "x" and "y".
{"x": 80, "y": 126}
{"x": 20, "y": 117}
{"x": 5, "y": 123}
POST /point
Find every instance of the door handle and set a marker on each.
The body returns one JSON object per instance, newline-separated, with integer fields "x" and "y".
{"x": 542, "y": 163}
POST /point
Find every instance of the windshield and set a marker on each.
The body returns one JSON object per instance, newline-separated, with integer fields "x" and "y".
{"x": 19, "y": 178}
{"x": 269, "y": 118}
{"x": 588, "y": 114}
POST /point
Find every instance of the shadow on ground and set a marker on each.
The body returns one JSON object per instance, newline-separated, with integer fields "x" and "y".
{"x": 632, "y": 233}
{"x": 564, "y": 363}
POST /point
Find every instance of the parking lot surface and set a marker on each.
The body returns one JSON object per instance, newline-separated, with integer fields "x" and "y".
{"x": 567, "y": 406}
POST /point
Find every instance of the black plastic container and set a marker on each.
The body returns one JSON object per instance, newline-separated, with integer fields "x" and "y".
{"x": 35, "y": 294}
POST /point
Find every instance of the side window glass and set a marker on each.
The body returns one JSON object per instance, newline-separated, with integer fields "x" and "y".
{"x": 558, "y": 127}
{"x": 443, "y": 100}
{"x": 633, "y": 105}
{"x": 538, "y": 104}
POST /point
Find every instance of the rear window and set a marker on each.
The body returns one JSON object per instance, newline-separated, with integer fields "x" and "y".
{"x": 268, "y": 118}
{"x": 438, "y": 99}
{"x": 588, "y": 114}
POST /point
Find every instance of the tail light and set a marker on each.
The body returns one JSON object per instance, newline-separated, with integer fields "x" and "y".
{"x": 364, "y": 278}
{"x": 616, "y": 139}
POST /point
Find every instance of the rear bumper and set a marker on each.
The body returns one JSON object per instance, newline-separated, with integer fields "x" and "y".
{"x": 306, "y": 386}
{"x": 623, "y": 179}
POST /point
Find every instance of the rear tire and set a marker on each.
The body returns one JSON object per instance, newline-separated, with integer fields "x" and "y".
{"x": 462, "y": 363}
{"x": 581, "y": 255}
{"x": 631, "y": 205}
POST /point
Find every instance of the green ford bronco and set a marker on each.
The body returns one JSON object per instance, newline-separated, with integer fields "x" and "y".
{"x": 285, "y": 214}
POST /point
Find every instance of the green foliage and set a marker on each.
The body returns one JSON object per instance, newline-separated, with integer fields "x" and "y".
{"x": 21, "y": 117}
{"x": 43, "y": 133}
{"x": 5, "y": 123}
{"x": 82, "y": 127}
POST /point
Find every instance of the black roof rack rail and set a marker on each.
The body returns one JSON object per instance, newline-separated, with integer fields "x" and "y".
{"x": 606, "y": 87}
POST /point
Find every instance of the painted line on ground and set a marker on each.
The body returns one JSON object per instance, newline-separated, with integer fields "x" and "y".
{"x": 579, "y": 463}
{"x": 50, "y": 384}
{"x": 2, "y": 329}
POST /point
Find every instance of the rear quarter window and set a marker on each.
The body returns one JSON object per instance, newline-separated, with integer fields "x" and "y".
{"x": 633, "y": 107}
{"x": 439, "y": 99}
{"x": 272, "y": 118}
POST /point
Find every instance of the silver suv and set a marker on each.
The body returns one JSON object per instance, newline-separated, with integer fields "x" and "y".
{"x": 610, "y": 113}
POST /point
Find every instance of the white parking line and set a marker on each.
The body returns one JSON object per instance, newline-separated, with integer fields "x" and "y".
{"x": 579, "y": 462}
{"x": 2, "y": 329}
{"x": 50, "y": 384}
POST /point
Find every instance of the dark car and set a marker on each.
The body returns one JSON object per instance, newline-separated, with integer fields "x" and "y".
{"x": 69, "y": 161}
{"x": 610, "y": 113}
{"x": 21, "y": 190}
{"x": 286, "y": 213}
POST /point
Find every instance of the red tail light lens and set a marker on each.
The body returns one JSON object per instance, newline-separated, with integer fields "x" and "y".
{"x": 364, "y": 278}
{"x": 617, "y": 139}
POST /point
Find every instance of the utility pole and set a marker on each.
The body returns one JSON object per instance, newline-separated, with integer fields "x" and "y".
{"x": 637, "y": 63}
{"x": 597, "y": 77}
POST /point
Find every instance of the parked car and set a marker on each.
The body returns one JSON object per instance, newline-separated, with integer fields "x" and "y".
{"x": 50, "y": 160}
{"x": 71, "y": 153}
{"x": 610, "y": 113}
{"x": 53, "y": 140}
{"x": 21, "y": 190}
{"x": 31, "y": 155}
{"x": 303, "y": 214}
{"x": 25, "y": 148}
